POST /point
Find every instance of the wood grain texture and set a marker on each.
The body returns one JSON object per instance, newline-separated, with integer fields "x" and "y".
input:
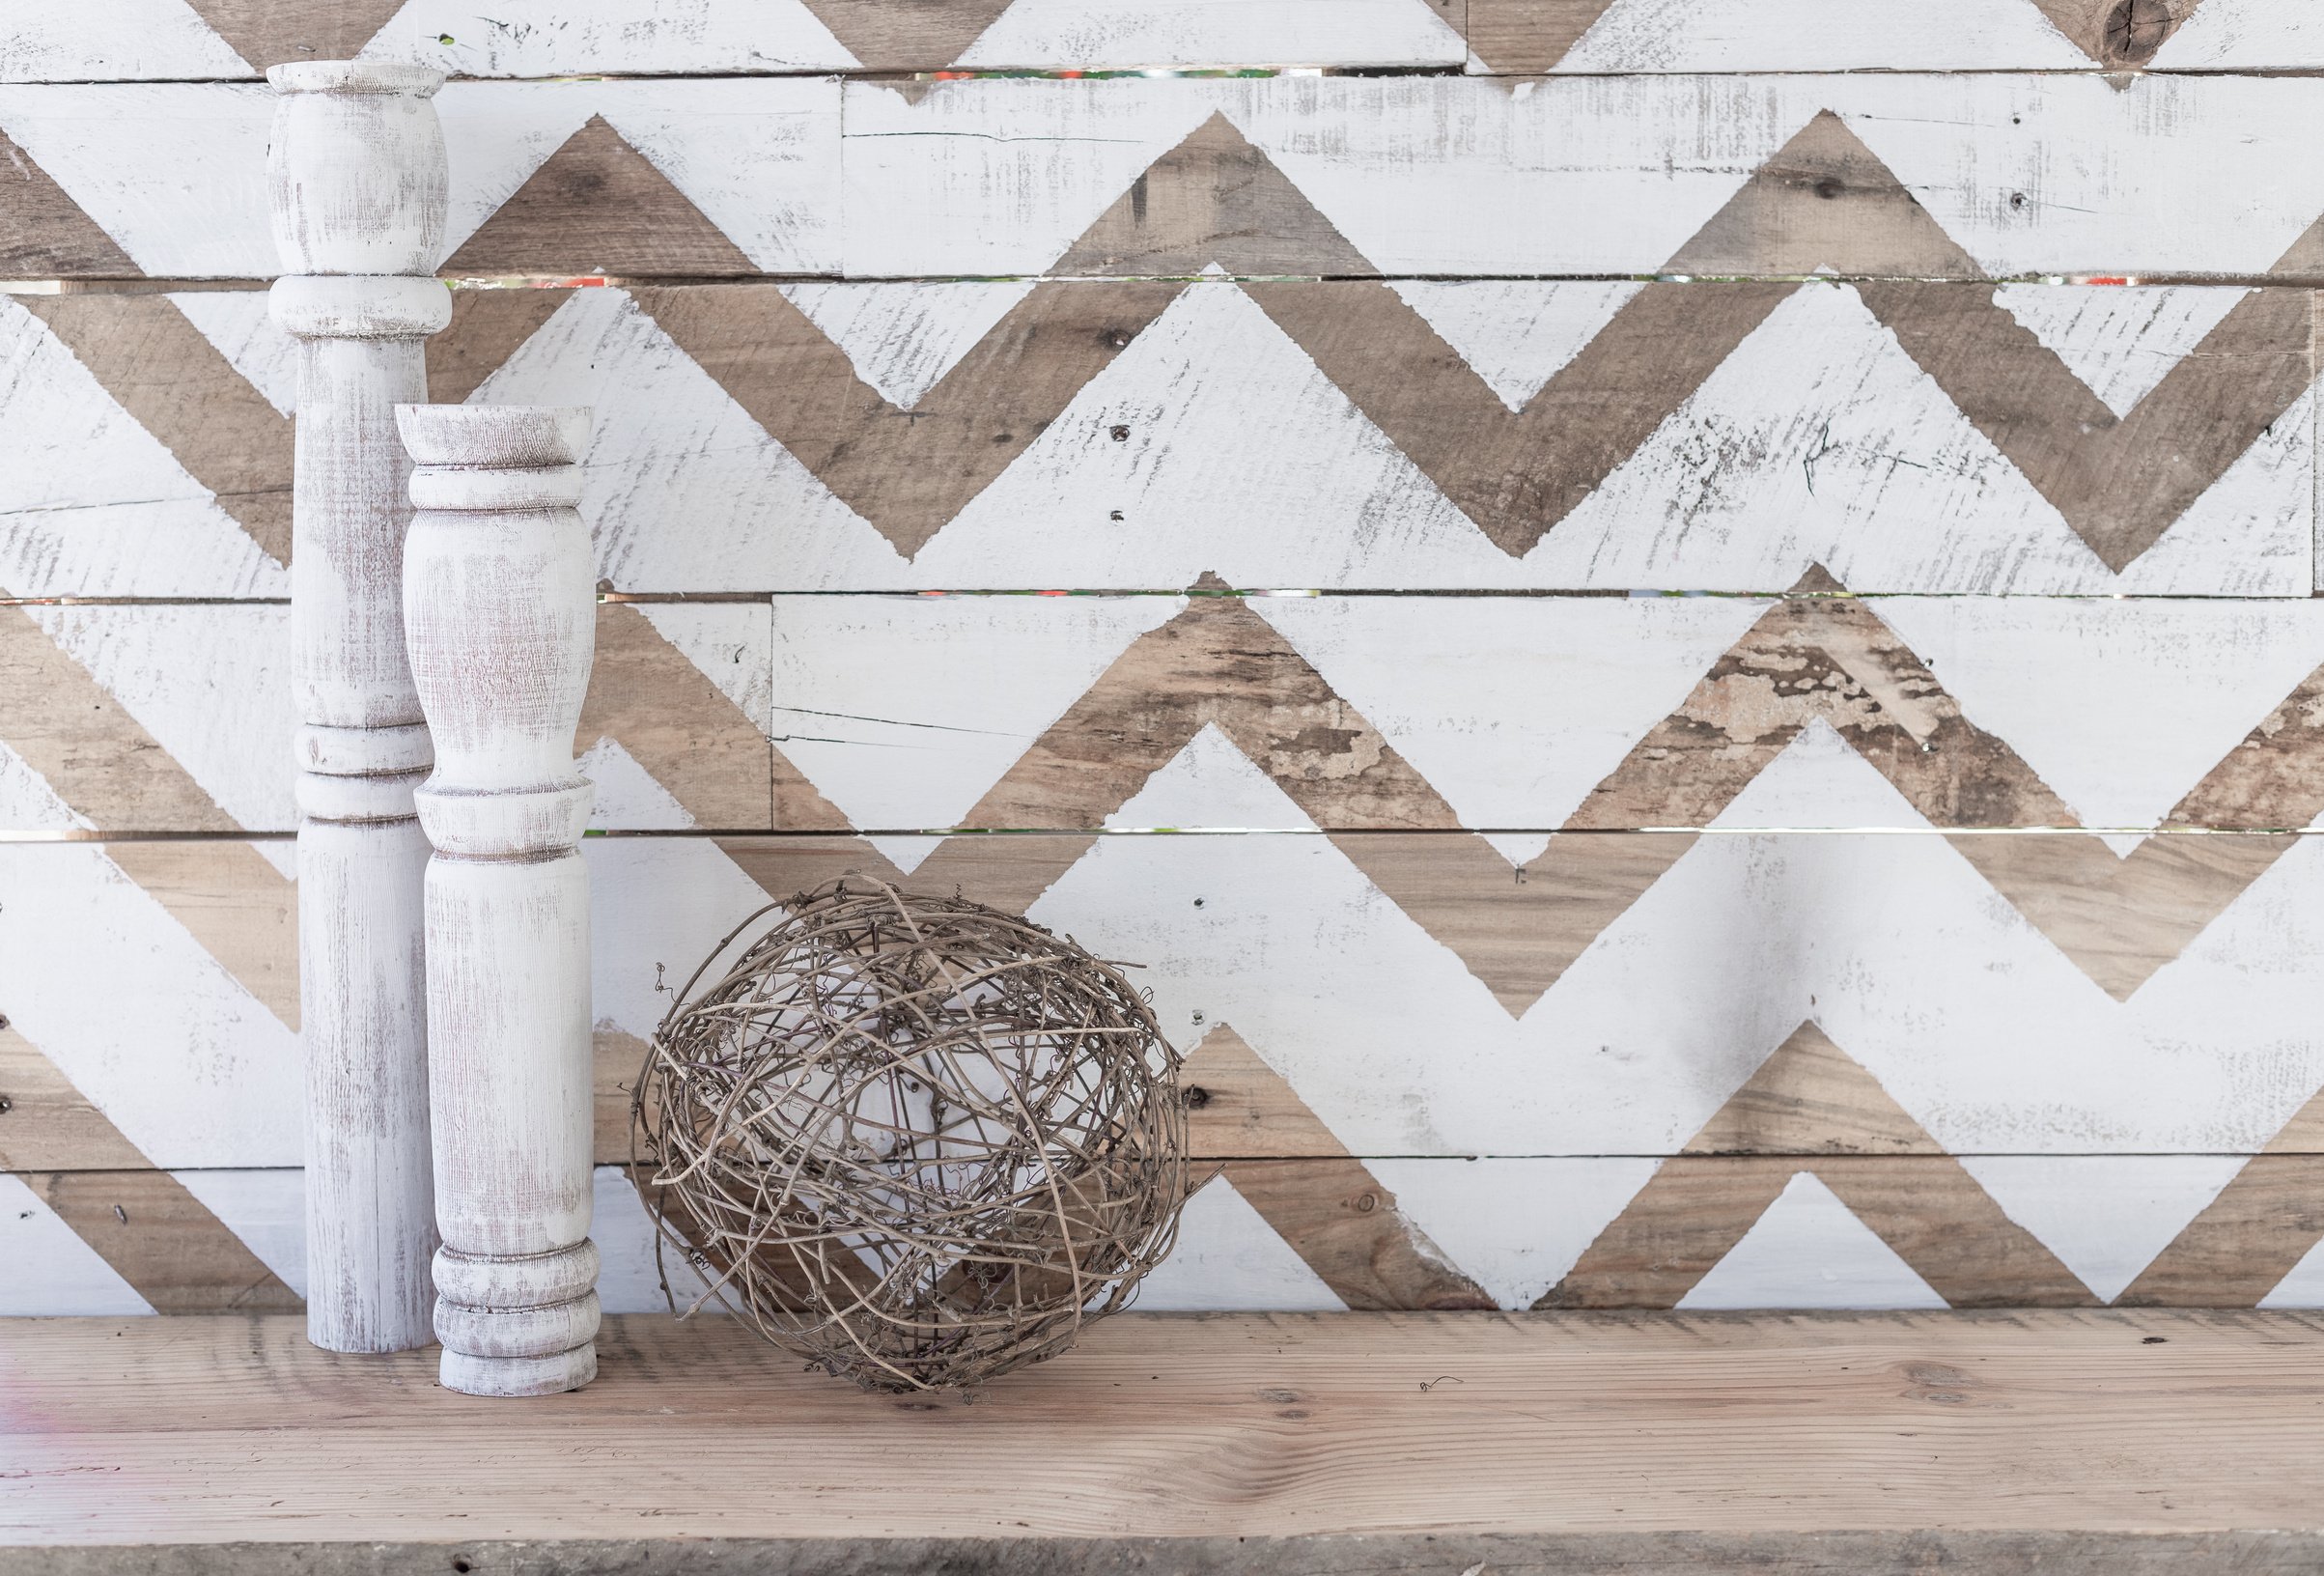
{"x": 49, "y": 1123}
{"x": 1470, "y": 177}
{"x": 1651, "y": 1028}
{"x": 499, "y": 622}
{"x": 1944, "y": 437}
{"x": 638, "y": 222}
{"x": 1540, "y": 1554}
{"x": 176, "y": 385}
{"x": 1053, "y": 714}
{"x": 1809, "y": 1097}
{"x": 1526, "y": 36}
{"x": 269, "y": 33}
{"x": 1816, "y": 672}
{"x": 45, "y": 232}
{"x": 2239, "y": 1250}
{"x": 356, "y": 184}
{"x": 215, "y": 40}
{"x": 2021, "y": 174}
{"x": 161, "y": 1240}
{"x": 1224, "y": 1426}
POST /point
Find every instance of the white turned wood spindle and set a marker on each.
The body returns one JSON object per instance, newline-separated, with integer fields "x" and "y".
{"x": 356, "y": 169}
{"x": 500, "y": 618}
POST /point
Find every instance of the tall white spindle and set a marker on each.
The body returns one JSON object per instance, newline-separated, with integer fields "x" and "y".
{"x": 356, "y": 170}
{"x": 501, "y": 617}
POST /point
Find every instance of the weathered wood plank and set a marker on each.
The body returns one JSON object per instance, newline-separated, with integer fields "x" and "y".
{"x": 1964, "y": 175}
{"x": 2011, "y": 175}
{"x": 723, "y": 175}
{"x": 179, "y": 719}
{"x": 1701, "y": 1233}
{"x": 1526, "y": 36}
{"x": 1391, "y": 1553}
{"x": 222, "y": 40}
{"x": 1285, "y": 1426}
{"x": 157, "y": 1236}
{"x": 1944, "y": 994}
{"x": 1366, "y": 713}
{"x": 218, "y": 40}
{"x": 1626, "y": 36}
{"x": 1948, "y": 438}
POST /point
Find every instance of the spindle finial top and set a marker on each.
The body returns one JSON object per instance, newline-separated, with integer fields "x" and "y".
{"x": 493, "y": 436}
{"x": 356, "y": 76}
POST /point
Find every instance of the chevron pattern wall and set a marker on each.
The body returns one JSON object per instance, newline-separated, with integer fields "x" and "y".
{"x": 1693, "y": 690}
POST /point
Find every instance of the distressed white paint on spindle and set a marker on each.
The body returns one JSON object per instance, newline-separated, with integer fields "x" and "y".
{"x": 500, "y": 612}
{"x": 356, "y": 167}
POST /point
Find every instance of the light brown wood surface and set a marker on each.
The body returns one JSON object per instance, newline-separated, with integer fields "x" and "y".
{"x": 210, "y": 1429}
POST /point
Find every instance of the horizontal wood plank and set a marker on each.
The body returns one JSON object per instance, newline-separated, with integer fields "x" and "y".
{"x": 1525, "y": 36}
{"x": 1140, "y": 435}
{"x": 1515, "y": 718}
{"x": 1402, "y": 1001}
{"x": 1404, "y": 1232}
{"x": 1920, "y": 176}
{"x": 1911, "y": 438}
{"x": 223, "y": 40}
{"x": 1390, "y": 1554}
{"x": 236, "y": 1429}
{"x": 1976, "y": 174}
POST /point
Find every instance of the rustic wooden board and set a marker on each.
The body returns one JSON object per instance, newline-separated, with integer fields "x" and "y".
{"x": 221, "y": 40}
{"x": 1698, "y": 1233}
{"x": 1896, "y": 175}
{"x": 1891, "y": 1171}
{"x": 1917, "y": 175}
{"x": 165, "y": 717}
{"x": 2276, "y": 1553}
{"x": 1964, "y": 437}
{"x": 1935, "y": 987}
{"x": 638, "y": 177}
{"x": 1510, "y": 717}
{"x": 218, "y": 40}
{"x": 2154, "y": 1421}
{"x": 1628, "y": 36}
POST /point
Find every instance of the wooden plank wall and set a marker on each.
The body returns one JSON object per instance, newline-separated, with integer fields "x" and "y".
{"x": 1694, "y": 690}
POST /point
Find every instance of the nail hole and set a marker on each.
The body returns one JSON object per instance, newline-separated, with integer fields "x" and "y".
{"x": 1197, "y": 1097}
{"x": 1121, "y": 435}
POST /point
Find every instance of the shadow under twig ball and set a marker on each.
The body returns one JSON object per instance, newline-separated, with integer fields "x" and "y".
{"x": 919, "y": 1140}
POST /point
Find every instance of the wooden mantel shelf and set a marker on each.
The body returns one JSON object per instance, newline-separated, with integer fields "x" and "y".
{"x": 2120, "y": 1441}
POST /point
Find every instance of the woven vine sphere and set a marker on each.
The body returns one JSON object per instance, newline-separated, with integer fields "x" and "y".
{"x": 916, "y": 1140}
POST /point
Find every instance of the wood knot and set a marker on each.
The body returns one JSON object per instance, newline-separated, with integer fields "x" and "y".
{"x": 2136, "y": 29}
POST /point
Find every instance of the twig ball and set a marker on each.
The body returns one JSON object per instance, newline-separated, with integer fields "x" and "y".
{"x": 918, "y": 1140}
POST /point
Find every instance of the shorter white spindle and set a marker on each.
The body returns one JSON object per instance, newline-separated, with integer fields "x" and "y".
{"x": 499, "y": 615}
